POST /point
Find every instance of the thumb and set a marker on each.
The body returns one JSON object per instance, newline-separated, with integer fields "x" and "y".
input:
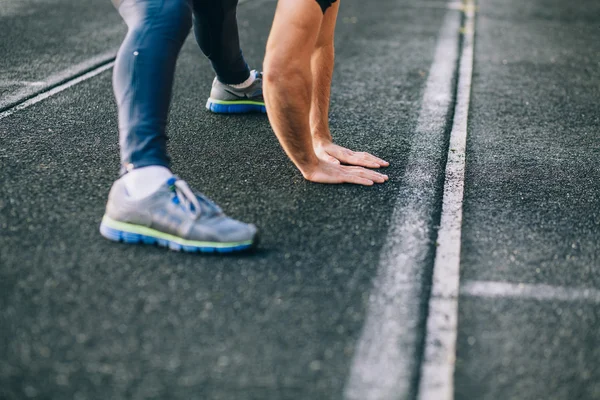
{"x": 331, "y": 159}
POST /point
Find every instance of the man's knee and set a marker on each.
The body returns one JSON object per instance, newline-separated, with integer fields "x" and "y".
{"x": 272, "y": 69}
{"x": 278, "y": 67}
{"x": 280, "y": 62}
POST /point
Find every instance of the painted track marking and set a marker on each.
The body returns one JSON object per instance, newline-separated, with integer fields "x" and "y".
{"x": 65, "y": 79}
{"x": 57, "y": 89}
{"x": 385, "y": 364}
{"x": 437, "y": 370}
{"x": 29, "y": 90}
{"x": 525, "y": 291}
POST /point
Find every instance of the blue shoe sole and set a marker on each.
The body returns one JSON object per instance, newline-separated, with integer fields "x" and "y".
{"x": 235, "y": 108}
{"x": 136, "y": 238}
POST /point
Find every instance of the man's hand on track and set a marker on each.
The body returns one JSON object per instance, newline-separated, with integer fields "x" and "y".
{"x": 332, "y": 153}
{"x": 329, "y": 172}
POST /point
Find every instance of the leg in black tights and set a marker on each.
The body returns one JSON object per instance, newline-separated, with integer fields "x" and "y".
{"x": 215, "y": 27}
{"x": 143, "y": 76}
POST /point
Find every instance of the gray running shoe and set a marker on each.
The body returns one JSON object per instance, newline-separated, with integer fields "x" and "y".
{"x": 225, "y": 99}
{"x": 174, "y": 217}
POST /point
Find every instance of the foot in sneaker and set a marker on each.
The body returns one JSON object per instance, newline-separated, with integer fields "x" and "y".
{"x": 228, "y": 99}
{"x": 175, "y": 217}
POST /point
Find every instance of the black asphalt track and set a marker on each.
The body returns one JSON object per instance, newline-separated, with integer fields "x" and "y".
{"x": 531, "y": 212}
{"x": 42, "y": 42}
{"x": 84, "y": 318}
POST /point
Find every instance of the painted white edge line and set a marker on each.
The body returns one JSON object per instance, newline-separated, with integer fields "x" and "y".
{"x": 385, "y": 363}
{"x": 31, "y": 89}
{"x": 525, "y": 291}
{"x": 56, "y": 90}
{"x": 437, "y": 369}
{"x": 60, "y": 76}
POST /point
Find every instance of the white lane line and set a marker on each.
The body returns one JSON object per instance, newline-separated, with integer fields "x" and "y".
{"x": 491, "y": 289}
{"x": 385, "y": 361}
{"x": 30, "y": 89}
{"x": 56, "y": 90}
{"x": 12, "y": 104}
{"x": 437, "y": 370}
{"x": 21, "y": 83}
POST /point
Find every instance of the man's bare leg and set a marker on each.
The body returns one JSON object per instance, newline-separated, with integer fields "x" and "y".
{"x": 322, "y": 62}
{"x": 289, "y": 78}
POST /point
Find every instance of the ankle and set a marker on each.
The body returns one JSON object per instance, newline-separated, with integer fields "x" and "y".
{"x": 142, "y": 182}
{"x": 246, "y": 83}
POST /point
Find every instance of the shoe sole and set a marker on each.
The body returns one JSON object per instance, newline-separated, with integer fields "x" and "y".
{"x": 235, "y": 107}
{"x": 135, "y": 234}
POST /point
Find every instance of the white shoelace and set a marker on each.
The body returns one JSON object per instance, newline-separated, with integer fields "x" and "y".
{"x": 188, "y": 198}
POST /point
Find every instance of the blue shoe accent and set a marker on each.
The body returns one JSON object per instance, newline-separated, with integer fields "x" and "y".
{"x": 229, "y": 99}
{"x": 148, "y": 240}
{"x": 235, "y": 108}
{"x": 135, "y": 238}
{"x": 160, "y": 218}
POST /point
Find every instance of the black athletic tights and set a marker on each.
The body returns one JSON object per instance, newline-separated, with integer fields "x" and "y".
{"x": 215, "y": 27}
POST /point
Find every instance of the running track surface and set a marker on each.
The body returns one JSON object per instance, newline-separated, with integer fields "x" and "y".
{"x": 343, "y": 275}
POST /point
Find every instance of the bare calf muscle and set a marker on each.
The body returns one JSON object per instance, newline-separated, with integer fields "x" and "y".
{"x": 298, "y": 71}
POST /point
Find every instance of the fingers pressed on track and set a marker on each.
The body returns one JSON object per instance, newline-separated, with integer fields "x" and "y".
{"x": 368, "y": 174}
{"x": 359, "y": 180}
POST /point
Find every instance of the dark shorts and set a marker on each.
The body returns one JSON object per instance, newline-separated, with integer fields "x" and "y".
{"x": 325, "y": 4}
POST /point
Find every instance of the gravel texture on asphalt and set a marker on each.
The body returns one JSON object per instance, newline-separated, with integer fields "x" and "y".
{"x": 84, "y": 318}
{"x": 531, "y": 210}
